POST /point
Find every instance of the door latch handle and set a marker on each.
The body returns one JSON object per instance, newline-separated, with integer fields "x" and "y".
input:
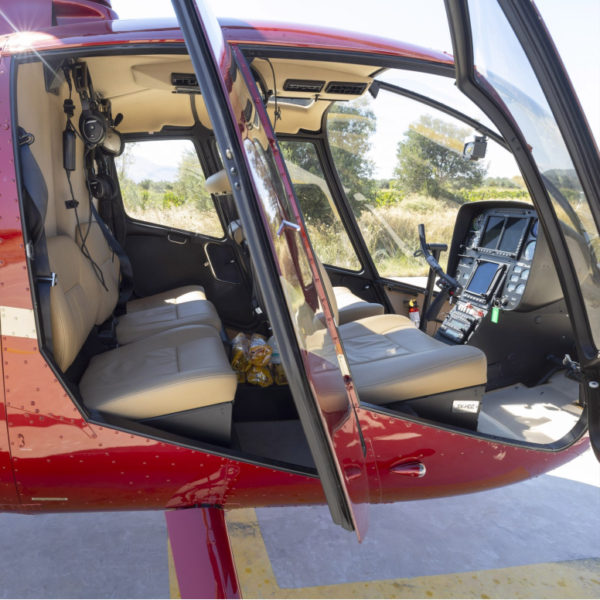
{"x": 287, "y": 225}
{"x": 176, "y": 241}
{"x": 409, "y": 469}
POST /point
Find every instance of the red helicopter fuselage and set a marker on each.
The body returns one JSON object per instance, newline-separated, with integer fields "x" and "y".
{"x": 52, "y": 458}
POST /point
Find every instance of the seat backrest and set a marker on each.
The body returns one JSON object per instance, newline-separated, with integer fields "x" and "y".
{"x": 74, "y": 300}
{"x": 329, "y": 290}
{"x": 108, "y": 262}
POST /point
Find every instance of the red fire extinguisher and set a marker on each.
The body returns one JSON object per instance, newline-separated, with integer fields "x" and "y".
{"x": 413, "y": 313}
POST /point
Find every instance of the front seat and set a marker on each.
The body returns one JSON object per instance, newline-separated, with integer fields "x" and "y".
{"x": 394, "y": 362}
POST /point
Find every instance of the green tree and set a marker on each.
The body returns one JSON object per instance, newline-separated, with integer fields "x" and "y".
{"x": 350, "y": 127}
{"x": 171, "y": 199}
{"x": 430, "y": 159}
{"x": 125, "y": 161}
{"x": 190, "y": 182}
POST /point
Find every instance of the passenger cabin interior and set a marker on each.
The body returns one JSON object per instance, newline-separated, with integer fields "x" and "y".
{"x": 498, "y": 360}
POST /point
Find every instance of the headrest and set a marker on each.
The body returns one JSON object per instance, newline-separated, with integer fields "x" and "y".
{"x": 218, "y": 184}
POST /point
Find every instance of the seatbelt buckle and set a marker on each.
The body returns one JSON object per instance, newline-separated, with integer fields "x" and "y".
{"x": 52, "y": 279}
{"x": 26, "y": 139}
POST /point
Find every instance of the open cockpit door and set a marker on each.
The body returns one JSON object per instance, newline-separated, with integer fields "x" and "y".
{"x": 507, "y": 64}
{"x": 292, "y": 285}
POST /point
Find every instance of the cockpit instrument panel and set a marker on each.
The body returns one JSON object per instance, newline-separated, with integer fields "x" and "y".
{"x": 494, "y": 264}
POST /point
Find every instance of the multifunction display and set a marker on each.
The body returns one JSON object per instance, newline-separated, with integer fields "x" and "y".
{"x": 482, "y": 278}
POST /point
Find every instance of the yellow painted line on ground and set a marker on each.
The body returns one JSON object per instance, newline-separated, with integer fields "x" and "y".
{"x": 173, "y": 585}
{"x": 571, "y": 579}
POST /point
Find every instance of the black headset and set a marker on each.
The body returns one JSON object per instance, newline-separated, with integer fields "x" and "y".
{"x": 102, "y": 185}
{"x": 93, "y": 124}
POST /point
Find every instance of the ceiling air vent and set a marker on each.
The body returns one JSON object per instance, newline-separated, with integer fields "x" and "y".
{"x": 185, "y": 83}
{"x": 345, "y": 88}
{"x": 303, "y": 85}
{"x": 184, "y": 79}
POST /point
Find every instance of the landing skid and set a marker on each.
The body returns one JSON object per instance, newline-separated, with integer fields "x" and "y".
{"x": 202, "y": 553}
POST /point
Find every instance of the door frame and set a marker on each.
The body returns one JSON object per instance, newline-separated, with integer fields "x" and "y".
{"x": 211, "y": 71}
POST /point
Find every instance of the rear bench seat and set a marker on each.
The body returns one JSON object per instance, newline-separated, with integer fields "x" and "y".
{"x": 145, "y": 316}
{"x": 170, "y": 366}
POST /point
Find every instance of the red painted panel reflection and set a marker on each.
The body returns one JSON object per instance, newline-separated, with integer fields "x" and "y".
{"x": 454, "y": 463}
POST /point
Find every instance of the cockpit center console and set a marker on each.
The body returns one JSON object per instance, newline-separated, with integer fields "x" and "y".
{"x": 494, "y": 264}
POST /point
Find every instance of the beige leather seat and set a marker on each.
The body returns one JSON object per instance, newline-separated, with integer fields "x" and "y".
{"x": 145, "y": 316}
{"x": 392, "y": 360}
{"x": 168, "y": 372}
{"x": 353, "y": 308}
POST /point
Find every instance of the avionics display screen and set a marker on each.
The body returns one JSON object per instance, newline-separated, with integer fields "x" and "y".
{"x": 482, "y": 278}
{"x": 513, "y": 233}
{"x": 504, "y": 233}
{"x": 492, "y": 232}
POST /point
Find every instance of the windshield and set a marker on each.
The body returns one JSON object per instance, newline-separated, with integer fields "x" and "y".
{"x": 501, "y": 63}
{"x": 400, "y": 163}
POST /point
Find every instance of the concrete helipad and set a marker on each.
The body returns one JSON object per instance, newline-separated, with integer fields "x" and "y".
{"x": 538, "y": 539}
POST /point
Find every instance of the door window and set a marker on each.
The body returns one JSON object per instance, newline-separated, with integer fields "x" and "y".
{"x": 400, "y": 164}
{"x": 503, "y": 65}
{"x": 329, "y": 238}
{"x": 162, "y": 182}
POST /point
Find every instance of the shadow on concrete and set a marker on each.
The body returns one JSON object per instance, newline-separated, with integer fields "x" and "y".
{"x": 543, "y": 520}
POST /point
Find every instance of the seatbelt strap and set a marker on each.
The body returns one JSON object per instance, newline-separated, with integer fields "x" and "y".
{"x": 256, "y": 301}
{"x": 126, "y": 287}
{"x": 36, "y": 196}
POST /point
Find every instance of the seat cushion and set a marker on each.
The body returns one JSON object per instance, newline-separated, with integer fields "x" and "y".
{"x": 352, "y": 308}
{"x": 163, "y": 374}
{"x": 392, "y": 360}
{"x": 188, "y": 293}
{"x": 143, "y": 323}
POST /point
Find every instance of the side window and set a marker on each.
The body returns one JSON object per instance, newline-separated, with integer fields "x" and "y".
{"x": 162, "y": 182}
{"x": 325, "y": 228}
{"x": 400, "y": 163}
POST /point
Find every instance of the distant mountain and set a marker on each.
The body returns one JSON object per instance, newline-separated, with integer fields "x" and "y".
{"x": 142, "y": 168}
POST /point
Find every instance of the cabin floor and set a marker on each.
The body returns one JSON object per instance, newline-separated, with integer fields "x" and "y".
{"x": 541, "y": 415}
{"x": 524, "y": 541}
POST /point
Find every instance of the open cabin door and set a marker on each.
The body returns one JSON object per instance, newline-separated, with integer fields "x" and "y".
{"x": 292, "y": 291}
{"x": 507, "y": 64}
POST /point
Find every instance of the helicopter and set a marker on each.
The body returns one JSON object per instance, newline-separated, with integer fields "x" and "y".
{"x": 124, "y": 303}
